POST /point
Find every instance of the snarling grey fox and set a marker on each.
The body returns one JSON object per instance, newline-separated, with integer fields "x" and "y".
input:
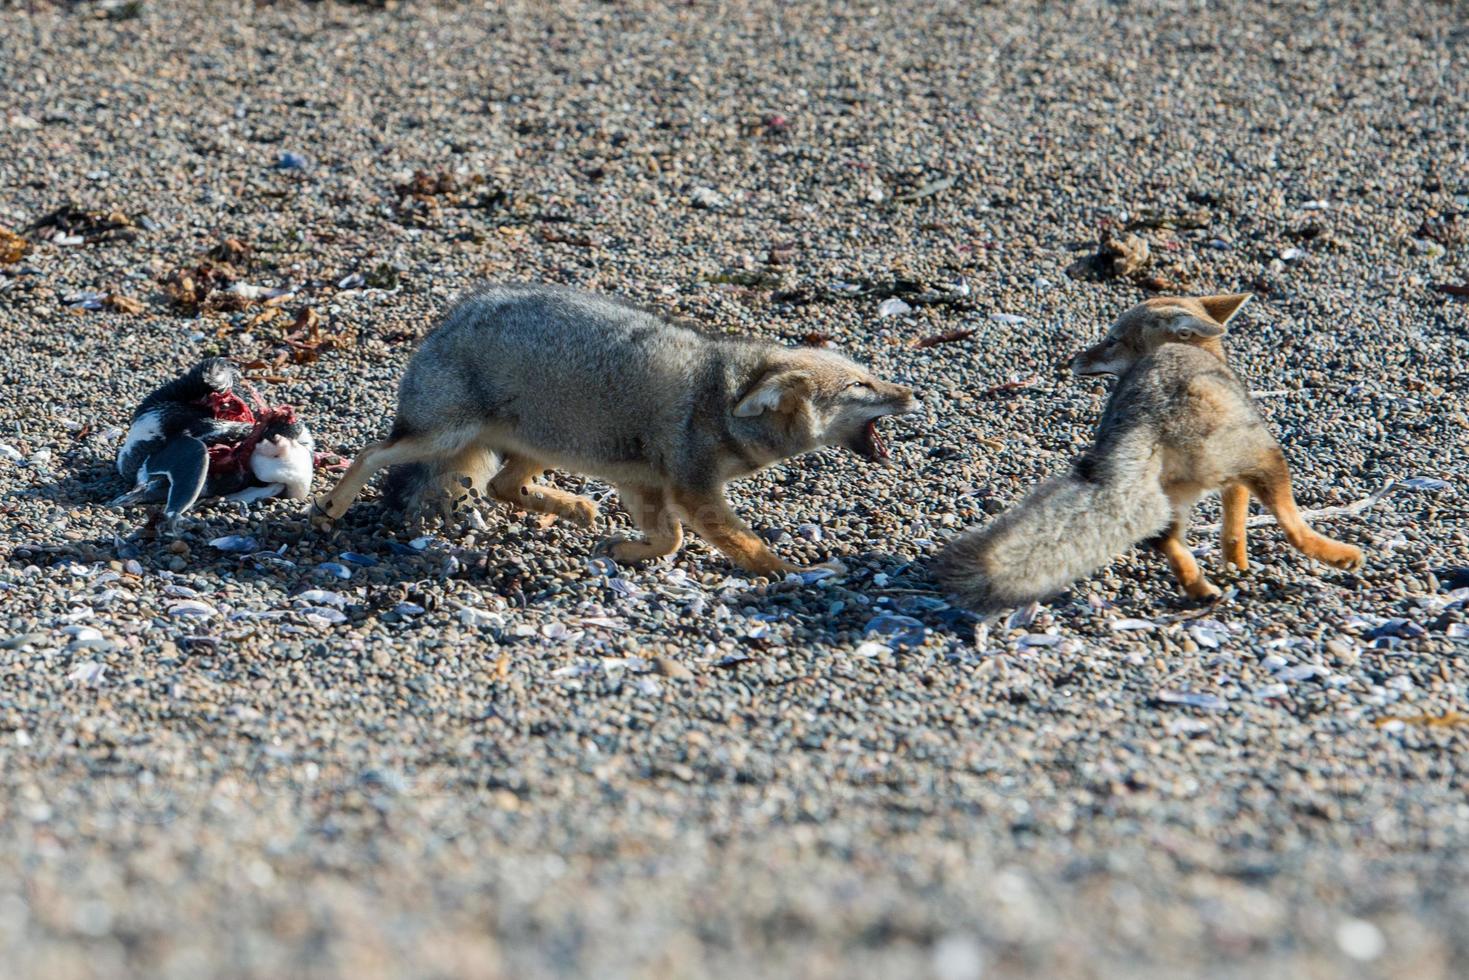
{"x": 528, "y": 377}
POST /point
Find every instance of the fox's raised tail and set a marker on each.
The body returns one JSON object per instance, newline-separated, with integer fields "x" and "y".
{"x": 1064, "y": 529}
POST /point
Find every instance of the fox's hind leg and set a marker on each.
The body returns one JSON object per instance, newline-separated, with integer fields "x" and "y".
{"x": 662, "y": 530}
{"x": 1273, "y": 488}
{"x": 1171, "y": 544}
{"x": 1182, "y": 562}
{"x": 513, "y": 485}
{"x": 390, "y": 452}
{"x": 1235, "y": 498}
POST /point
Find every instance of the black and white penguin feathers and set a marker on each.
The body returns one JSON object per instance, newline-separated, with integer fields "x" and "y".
{"x": 209, "y": 434}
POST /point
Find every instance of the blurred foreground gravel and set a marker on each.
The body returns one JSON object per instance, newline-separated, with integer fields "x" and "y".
{"x": 478, "y": 751}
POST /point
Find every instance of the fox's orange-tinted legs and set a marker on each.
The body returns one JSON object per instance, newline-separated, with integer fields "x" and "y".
{"x": 710, "y": 514}
{"x": 1182, "y": 562}
{"x": 389, "y": 452}
{"x": 1236, "y": 500}
{"x": 513, "y": 485}
{"x": 662, "y": 530}
{"x": 1273, "y": 489}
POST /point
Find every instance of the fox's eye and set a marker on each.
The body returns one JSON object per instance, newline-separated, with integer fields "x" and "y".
{"x": 858, "y": 384}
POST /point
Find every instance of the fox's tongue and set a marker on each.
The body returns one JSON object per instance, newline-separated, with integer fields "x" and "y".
{"x": 879, "y": 448}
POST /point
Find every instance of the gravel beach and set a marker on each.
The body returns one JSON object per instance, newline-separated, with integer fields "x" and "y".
{"x": 256, "y": 749}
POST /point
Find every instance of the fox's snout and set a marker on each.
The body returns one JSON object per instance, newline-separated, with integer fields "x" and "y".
{"x": 906, "y": 401}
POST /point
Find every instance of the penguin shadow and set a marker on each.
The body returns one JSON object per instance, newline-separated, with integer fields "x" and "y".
{"x": 89, "y": 482}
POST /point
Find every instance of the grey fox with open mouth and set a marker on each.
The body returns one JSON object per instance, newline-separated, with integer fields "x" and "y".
{"x": 529, "y": 377}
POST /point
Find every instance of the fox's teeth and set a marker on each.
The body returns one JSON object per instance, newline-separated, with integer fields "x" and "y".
{"x": 879, "y": 448}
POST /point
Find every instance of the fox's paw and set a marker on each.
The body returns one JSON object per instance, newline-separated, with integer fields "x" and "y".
{"x": 628, "y": 551}
{"x": 318, "y": 512}
{"x": 1202, "y": 589}
{"x": 1235, "y": 554}
{"x": 1344, "y": 556}
{"x": 581, "y": 512}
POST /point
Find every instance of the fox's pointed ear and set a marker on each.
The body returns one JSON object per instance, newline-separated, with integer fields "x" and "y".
{"x": 1221, "y": 308}
{"x": 779, "y": 390}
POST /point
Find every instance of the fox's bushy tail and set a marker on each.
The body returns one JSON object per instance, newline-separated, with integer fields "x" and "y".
{"x": 435, "y": 486}
{"x": 1064, "y": 529}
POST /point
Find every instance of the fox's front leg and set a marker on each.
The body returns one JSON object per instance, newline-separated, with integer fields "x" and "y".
{"x": 710, "y": 514}
{"x": 662, "y": 530}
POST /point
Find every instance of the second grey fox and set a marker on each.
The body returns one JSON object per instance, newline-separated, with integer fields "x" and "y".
{"x": 1178, "y": 425}
{"x": 543, "y": 376}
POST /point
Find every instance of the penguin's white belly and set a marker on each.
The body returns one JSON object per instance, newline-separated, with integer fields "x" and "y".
{"x": 142, "y": 438}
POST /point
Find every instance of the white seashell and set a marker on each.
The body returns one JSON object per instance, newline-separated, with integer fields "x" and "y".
{"x": 1426, "y": 483}
{"x": 1192, "y": 699}
{"x": 1133, "y": 624}
{"x": 470, "y": 616}
{"x": 1022, "y": 617}
{"x": 1209, "y": 635}
{"x": 1186, "y": 726}
{"x": 88, "y": 672}
{"x": 321, "y": 597}
{"x": 625, "y": 588}
{"x": 324, "y": 615}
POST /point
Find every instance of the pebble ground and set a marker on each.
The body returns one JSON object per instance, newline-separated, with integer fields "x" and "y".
{"x": 480, "y": 752}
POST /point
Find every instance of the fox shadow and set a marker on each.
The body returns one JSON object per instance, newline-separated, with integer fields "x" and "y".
{"x": 272, "y": 545}
{"x": 527, "y": 562}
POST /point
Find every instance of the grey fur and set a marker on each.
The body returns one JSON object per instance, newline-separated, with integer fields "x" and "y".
{"x": 1152, "y": 434}
{"x": 595, "y": 385}
{"x": 550, "y": 377}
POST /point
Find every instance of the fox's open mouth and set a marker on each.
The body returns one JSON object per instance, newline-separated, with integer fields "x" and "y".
{"x": 869, "y": 443}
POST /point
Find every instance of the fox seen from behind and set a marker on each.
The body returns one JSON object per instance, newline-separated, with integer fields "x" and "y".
{"x": 1179, "y": 424}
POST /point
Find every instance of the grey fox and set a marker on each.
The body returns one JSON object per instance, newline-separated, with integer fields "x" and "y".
{"x": 544, "y": 376}
{"x": 1178, "y": 425}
